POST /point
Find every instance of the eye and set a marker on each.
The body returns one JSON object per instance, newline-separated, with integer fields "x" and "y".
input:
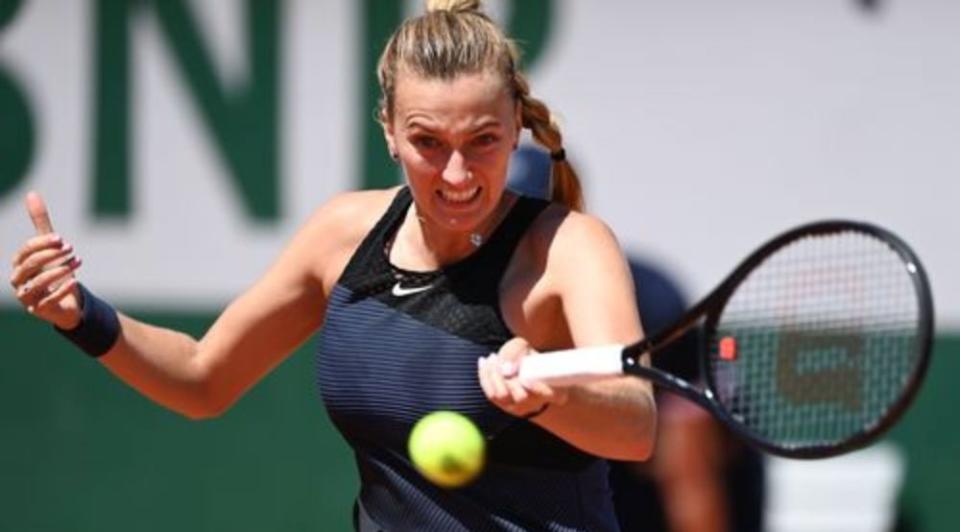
{"x": 425, "y": 142}
{"x": 486, "y": 139}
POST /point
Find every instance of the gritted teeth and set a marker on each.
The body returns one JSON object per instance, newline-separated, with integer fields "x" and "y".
{"x": 459, "y": 196}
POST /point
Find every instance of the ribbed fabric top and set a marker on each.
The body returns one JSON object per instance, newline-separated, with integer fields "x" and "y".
{"x": 397, "y": 345}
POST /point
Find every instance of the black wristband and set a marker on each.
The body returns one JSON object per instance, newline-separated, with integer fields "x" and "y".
{"x": 99, "y": 325}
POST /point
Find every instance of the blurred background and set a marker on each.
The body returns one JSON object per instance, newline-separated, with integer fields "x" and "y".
{"x": 180, "y": 143}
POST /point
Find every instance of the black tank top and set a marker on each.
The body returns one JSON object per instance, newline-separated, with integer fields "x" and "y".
{"x": 397, "y": 345}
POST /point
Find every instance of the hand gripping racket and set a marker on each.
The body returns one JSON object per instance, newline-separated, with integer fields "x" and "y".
{"x": 812, "y": 347}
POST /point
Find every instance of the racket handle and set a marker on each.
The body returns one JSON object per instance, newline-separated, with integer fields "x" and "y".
{"x": 573, "y": 366}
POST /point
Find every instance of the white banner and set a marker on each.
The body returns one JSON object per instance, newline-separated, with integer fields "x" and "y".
{"x": 700, "y": 129}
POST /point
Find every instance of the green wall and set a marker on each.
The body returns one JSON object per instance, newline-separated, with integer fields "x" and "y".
{"x": 81, "y": 451}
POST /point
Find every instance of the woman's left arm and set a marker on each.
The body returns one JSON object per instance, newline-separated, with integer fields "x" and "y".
{"x": 615, "y": 418}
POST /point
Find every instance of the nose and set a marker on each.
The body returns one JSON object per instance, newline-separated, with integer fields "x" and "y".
{"x": 456, "y": 172}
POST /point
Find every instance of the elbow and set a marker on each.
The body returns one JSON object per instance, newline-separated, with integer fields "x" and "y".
{"x": 644, "y": 449}
{"x": 643, "y": 434}
{"x": 200, "y": 408}
{"x": 207, "y": 399}
{"x": 639, "y": 449}
{"x": 202, "y": 412}
{"x": 211, "y": 403}
{"x": 634, "y": 442}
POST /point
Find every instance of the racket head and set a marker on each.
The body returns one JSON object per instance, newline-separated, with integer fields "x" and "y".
{"x": 818, "y": 342}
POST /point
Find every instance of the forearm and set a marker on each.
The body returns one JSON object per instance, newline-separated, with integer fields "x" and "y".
{"x": 613, "y": 419}
{"x": 161, "y": 364}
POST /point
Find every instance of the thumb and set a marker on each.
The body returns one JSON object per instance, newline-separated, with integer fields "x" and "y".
{"x": 510, "y": 355}
{"x": 39, "y": 215}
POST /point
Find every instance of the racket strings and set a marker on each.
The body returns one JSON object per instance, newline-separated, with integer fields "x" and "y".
{"x": 826, "y": 330}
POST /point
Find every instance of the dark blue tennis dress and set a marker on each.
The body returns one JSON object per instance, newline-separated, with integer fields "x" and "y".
{"x": 397, "y": 345}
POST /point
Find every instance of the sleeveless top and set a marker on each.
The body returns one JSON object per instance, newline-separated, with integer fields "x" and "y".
{"x": 397, "y": 345}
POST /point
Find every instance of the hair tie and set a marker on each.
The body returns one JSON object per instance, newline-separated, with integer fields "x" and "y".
{"x": 559, "y": 155}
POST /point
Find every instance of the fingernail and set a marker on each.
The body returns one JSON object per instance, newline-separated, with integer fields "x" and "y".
{"x": 76, "y": 262}
{"x": 506, "y": 368}
{"x": 68, "y": 247}
{"x": 55, "y": 238}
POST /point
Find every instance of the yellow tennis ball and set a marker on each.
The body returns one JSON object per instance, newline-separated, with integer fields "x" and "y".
{"x": 447, "y": 448}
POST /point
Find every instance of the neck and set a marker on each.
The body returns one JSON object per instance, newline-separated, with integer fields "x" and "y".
{"x": 425, "y": 245}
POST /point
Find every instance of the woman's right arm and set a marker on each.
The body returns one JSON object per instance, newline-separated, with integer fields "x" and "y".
{"x": 203, "y": 378}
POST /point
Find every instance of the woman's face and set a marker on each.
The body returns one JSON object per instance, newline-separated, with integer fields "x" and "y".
{"x": 454, "y": 139}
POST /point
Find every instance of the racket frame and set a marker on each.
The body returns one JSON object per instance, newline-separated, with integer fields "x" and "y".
{"x": 710, "y": 309}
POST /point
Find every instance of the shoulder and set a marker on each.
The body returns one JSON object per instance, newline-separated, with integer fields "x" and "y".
{"x": 333, "y": 232}
{"x": 565, "y": 237}
{"x": 563, "y": 248}
{"x": 577, "y": 252}
{"x": 574, "y": 277}
{"x": 351, "y": 215}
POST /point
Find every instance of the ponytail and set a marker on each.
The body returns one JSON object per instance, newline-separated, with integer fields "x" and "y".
{"x": 565, "y": 184}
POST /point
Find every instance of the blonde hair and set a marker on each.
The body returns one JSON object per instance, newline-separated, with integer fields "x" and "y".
{"x": 455, "y": 37}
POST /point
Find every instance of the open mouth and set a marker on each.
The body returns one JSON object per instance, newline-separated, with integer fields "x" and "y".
{"x": 459, "y": 197}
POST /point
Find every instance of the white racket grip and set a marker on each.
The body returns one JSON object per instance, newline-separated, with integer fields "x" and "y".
{"x": 573, "y": 366}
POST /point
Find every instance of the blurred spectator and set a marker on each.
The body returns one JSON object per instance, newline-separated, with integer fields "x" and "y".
{"x": 701, "y": 478}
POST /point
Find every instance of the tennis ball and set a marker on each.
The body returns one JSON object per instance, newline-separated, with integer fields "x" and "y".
{"x": 447, "y": 448}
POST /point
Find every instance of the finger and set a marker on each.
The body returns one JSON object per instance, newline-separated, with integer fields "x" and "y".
{"x": 510, "y": 354}
{"x": 553, "y": 395}
{"x": 515, "y": 349}
{"x": 35, "y": 244}
{"x": 38, "y": 261}
{"x": 516, "y": 390}
{"x": 540, "y": 388}
{"x": 58, "y": 294}
{"x": 498, "y": 387}
{"x": 483, "y": 378}
{"x": 39, "y": 214}
{"x": 40, "y": 285}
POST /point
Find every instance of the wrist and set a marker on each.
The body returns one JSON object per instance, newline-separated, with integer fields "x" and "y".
{"x": 536, "y": 412}
{"x": 96, "y": 328}
{"x": 72, "y": 321}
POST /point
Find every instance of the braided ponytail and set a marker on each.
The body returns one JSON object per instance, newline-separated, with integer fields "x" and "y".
{"x": 565, "y": 186}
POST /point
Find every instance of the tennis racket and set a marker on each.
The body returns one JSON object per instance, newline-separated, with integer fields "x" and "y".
{"x": 812, "y": 347}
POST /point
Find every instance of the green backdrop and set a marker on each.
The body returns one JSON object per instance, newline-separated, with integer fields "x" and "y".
{"x": 79, "y": 451}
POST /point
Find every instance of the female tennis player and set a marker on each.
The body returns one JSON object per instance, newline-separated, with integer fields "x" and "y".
{"x": 411, "y": 290}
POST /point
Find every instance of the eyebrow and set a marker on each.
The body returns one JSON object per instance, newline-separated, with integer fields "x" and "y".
{"x": 484, "y": 123}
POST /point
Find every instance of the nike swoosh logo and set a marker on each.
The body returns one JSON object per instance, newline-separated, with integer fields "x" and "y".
{"x": 400, "y": 291}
